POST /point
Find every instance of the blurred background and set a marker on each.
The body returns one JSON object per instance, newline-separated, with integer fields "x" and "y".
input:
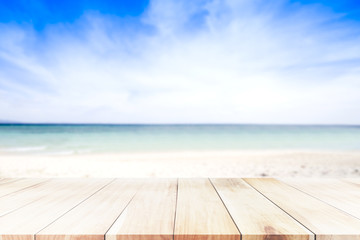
{"x": 159, "y": 88}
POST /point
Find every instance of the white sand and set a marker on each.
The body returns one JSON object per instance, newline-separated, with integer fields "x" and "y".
{"x": 186, "y": 164}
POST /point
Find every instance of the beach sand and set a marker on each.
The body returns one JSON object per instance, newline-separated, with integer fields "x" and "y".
{"x": 185, "y": 164}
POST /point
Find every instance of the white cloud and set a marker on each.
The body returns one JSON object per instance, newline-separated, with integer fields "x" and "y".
{"x": 218, "y": 61}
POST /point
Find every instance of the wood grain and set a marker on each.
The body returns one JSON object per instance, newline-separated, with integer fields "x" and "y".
{"x": 25, "y": 222}
{"x": 7, "y": 180}
{"x": 21, "y": 198}
{"x": 93, "y": 218}
{"x": 193, "y": 209}
{"x": 328, "y": 190}
{"x": 150, "y": 215}
{"x": 255, "y": 216}
{"x": 354, "y": 181}
{"x": 13, "y": 185}
{"x": 200, "y": 213}
{"x": 322, "y": 219}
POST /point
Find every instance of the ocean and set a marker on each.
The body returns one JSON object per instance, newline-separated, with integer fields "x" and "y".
{"x": 68, "y": 139}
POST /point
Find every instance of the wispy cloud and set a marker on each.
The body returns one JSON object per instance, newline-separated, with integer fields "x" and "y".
{"x": 186, "y": 61}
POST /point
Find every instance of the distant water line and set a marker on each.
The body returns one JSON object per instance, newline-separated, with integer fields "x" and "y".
{"x": 101, "y": 138}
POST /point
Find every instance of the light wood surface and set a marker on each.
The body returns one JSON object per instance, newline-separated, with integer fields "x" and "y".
{"x": 21, "y": 198}
{"x": 200, "y": 213}
{"x": 12, "y": 185}
{"x": 7, "y": 180}
{"x": 93, "y": 218}
{"x": 179, "y": 209}
{"x": 327, "y": 222}
{"x": 255, "y": 216}
{"x": 354, "y": 181}
{"x": 328, "y": 190}
{"x": 151, "y": 213}
{"x": 25, "y": 222}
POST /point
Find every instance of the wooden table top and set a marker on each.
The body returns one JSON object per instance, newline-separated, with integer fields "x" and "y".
{"x": 179, "y": 209}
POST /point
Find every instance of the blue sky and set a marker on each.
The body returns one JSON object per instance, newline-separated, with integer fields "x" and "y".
{"x": 206, "y": 61}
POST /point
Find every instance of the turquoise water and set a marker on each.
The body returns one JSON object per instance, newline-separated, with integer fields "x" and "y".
{"x": 78, "y": 139}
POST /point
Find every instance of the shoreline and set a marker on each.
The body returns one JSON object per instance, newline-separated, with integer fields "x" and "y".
{"x": 244, "y": 163}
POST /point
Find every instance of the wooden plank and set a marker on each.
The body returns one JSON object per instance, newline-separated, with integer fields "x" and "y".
{"x": 18, "y": 199}
{"x": 91, "y": 219}
{"x": 17, "y": 185}
{"x": 200, "y": 213}
{"x": 150, "y": 215}
{"x": 340, "y": 194}
{"x": 23, "y": 223}
{"x": 7, "y": 180}
{"x": 322, "y": 219}
{"x": 354, "y": 181}
{"x": 23, "y": 197}
{"x": 255, "y": 216}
